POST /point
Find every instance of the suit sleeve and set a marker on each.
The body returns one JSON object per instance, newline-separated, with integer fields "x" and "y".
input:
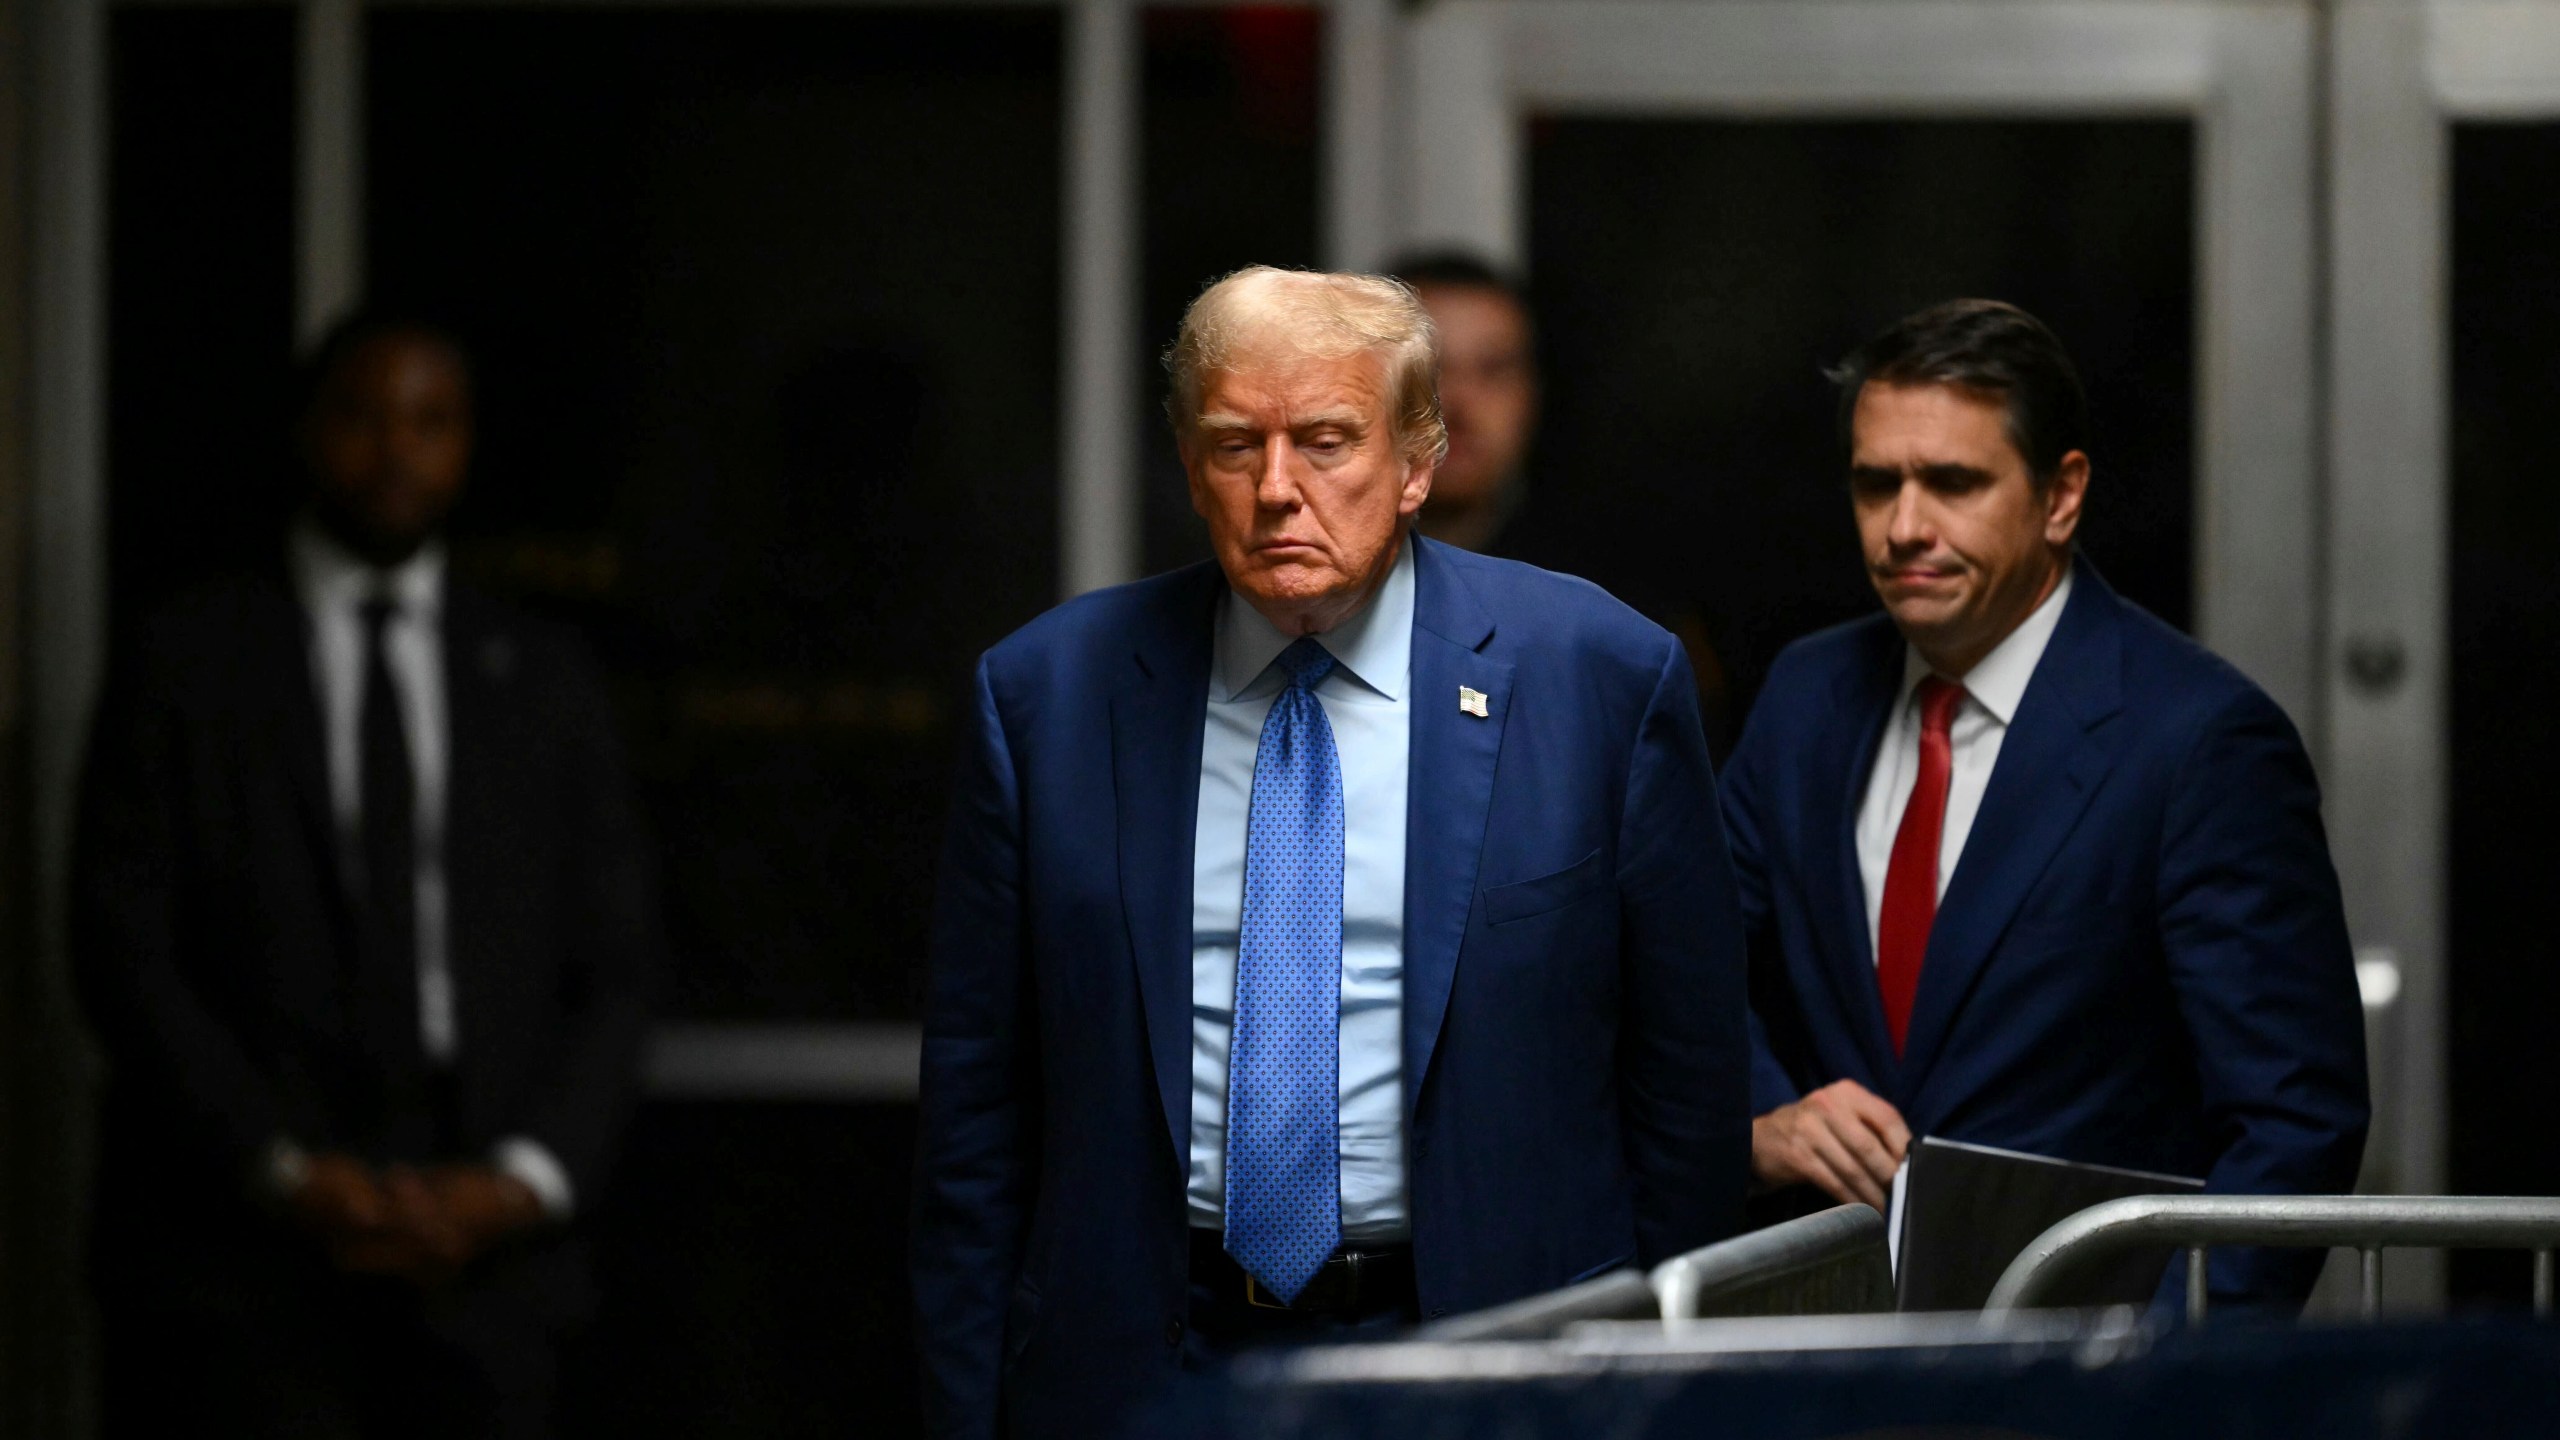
{"x": 1685, "y": 1046}
{"x": 978, "y": 1144}
{"x": 1746, "y": 834}
{"x": 2256, "y": 945}
{"x": 612, "y": 966}
{"x": 132, "y": 852}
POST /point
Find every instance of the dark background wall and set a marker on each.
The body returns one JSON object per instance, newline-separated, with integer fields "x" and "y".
{"x": 37, "y": 1281}
{"x": 1694, "y": 279}
{"x": 2505, "y": 660}
{"x": 1229, "y": 154}
{"x": 200, "y": 292}
{"x": 768, "y": 311}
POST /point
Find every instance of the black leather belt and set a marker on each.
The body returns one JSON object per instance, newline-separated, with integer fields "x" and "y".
{"x": 1355, "y": 1282}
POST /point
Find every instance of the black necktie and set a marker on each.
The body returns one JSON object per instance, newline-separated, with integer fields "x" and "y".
{"x": 387, "y": 835}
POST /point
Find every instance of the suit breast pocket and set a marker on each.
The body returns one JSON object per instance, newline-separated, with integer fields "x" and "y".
{"x": 1522, "y": 899}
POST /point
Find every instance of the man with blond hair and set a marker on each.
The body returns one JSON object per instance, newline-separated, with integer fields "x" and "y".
{"x": 1334, "y": 935}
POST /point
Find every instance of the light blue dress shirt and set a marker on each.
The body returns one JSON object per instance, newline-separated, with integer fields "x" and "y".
{"x": 1365, "y": 700}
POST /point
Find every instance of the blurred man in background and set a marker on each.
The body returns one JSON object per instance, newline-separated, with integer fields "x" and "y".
{"x": 362, "y": 918}
{"x": 1488, "y": 396}
{"x": 1265, "y": 1006}
{"x": 2022, "y": 865}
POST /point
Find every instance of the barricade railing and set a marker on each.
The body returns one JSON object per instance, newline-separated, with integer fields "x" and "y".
{"x": 1834, "y": 1262}
{"x": 1618, "y": 1295}
{"x": 2368, "y": 1224}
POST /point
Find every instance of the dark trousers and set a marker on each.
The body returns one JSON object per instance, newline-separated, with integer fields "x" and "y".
{"x": 314, "y": 1355}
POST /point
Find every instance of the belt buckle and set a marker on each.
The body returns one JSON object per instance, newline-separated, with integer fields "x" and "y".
{"x": 1262, "y": 1299}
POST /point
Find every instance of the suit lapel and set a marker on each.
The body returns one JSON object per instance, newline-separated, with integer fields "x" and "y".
{"x": 2051, "y": 761}
{"x": 1157, "y": 716}
{"x": 1862, "y": 703}
{"x": 1449, "y": 792}
{"x": 480, "y": 668}
{"x": 282, "y": 662}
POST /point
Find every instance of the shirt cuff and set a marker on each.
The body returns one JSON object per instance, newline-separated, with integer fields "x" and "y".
{"x": 531, "y": 1161}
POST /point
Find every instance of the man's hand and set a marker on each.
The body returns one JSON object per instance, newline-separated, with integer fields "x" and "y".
{"x": 423, "y": 1227}
{"x": 480, "y": 1205}
{"x": 1842, "y": 1138}
{"x": 357, "y": 1216}
{"x": 338, "y": 1196}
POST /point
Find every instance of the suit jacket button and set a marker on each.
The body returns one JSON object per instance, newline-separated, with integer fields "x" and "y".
{"x": 1173, "y": 1332}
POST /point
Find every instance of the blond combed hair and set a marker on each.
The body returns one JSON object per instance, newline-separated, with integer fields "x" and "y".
{"x": 1264, "y": 310}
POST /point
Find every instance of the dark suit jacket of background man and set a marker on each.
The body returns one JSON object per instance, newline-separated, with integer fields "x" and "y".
{"x": 1575, "y": 1050}
{"x": 216, "y": 945}
{"x": 2140, "y": 960}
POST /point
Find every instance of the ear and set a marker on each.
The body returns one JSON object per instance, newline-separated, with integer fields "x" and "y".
{"x": 2062, "y": 497}
{"x": 1417, "y": 488}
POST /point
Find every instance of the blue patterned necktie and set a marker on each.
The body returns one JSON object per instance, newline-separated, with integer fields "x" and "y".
{"x": 1284, "y": 1104}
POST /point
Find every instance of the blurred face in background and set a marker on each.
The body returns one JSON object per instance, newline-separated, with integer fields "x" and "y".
{"x": 388, "y": 441}
{"x": 1297, "y": 467}
{"x": 1961, "y": 543}
{"x": 1488, "y": 392}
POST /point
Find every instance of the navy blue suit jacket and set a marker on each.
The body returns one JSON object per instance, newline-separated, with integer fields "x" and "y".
{"x": 1576, "y": 1048}
{"x": 2140, "y": 959}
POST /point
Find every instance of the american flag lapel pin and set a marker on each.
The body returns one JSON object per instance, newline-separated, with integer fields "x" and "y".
{"x": 1472, "y": 702}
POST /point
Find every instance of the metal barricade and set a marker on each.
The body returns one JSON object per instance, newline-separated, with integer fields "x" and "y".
{"x": 2367, "y": 1223}
{"x": 1831, "y": 1263}
{"x": 1618, "y": 1295}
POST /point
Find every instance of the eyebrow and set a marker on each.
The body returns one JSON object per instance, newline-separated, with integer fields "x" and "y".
{"x": 1334, "y": 419}
{"x": 1339, "y": 419}
{"x": 1932, "y": 474}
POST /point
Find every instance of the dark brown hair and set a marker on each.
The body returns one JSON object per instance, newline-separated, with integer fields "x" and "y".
{"x": 1989, "y": 350}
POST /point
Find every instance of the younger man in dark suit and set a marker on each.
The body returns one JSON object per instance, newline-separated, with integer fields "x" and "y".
{"x": 362, "y": 918}
{"x": 2021, "y": 865}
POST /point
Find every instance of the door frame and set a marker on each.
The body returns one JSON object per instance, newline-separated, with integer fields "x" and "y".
{"x": 2245, "y": 76}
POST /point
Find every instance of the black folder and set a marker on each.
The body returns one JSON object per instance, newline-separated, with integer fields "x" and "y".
{"x": 1962, "y": 1212}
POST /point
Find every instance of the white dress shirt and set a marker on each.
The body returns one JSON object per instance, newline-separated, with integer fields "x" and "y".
{"x": 1992, "y": 691}
{"x": 1365, "y": 700}
{"x": 334, "y": 586}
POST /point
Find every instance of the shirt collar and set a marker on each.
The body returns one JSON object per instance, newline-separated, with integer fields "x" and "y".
{"x": 1999, "y": 681}
{"x": 1374, "y": 646}
{"x": 330, "y": 576}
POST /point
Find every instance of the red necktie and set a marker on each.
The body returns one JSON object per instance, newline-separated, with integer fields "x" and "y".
{"x": 1911, "y": 880}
